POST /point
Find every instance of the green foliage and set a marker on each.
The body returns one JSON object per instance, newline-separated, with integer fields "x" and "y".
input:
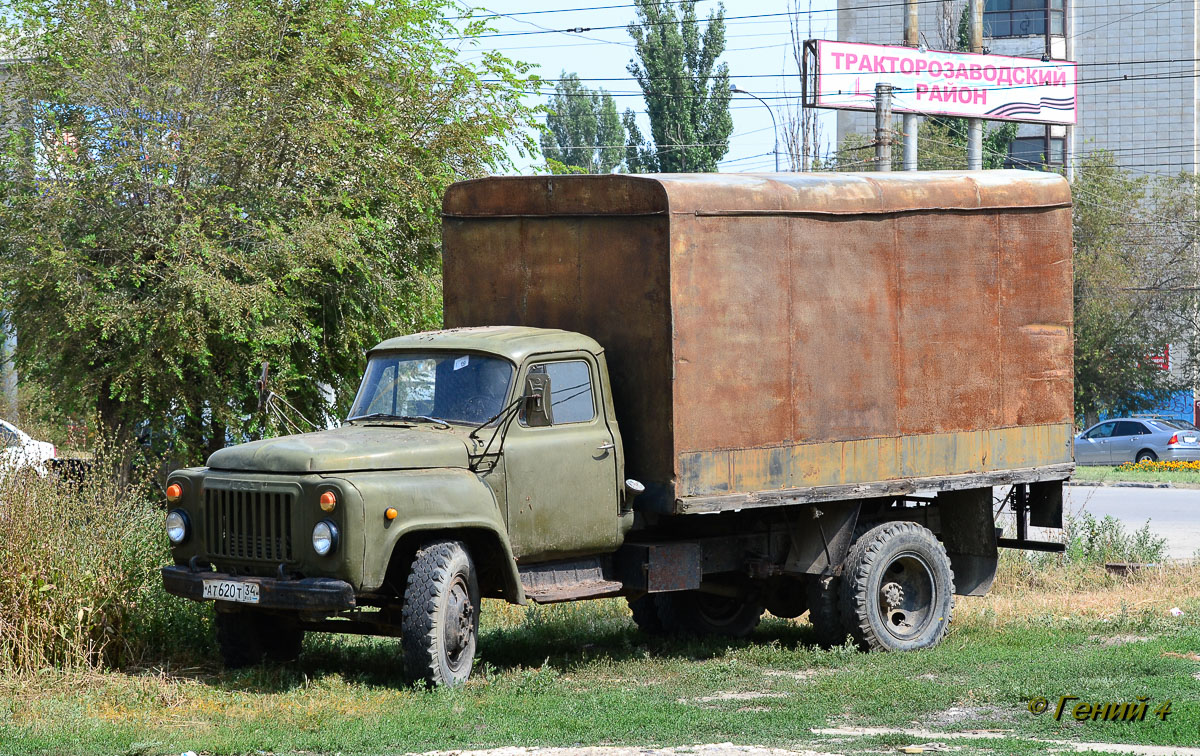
{"x": 583, "y": 129}
{"x": 1129, "y": 253}
{"x": 194, "y": 187}
{"x": 941, "y": 146}
{"x": 1097, "y": 542}
{"x": 686, "y": 91}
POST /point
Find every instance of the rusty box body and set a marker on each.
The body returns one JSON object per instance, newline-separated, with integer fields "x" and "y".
{"x": 794, "y": 332}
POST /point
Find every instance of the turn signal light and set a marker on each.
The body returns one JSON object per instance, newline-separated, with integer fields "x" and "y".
{"x": 174, "y": 492}
{"x": 390, "y": 513}
{"x": 328, "y": 501}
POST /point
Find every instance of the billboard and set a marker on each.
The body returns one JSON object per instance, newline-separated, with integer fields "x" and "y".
{"x": 843, "y": 75}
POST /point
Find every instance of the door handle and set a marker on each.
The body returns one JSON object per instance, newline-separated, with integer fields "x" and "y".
{"x": 605, "y": 447}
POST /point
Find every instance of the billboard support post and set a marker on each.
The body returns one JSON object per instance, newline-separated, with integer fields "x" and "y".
{"x": 975, "y": 125}
{"x": 883, "y": 127}
{"x": 910, "y": 119}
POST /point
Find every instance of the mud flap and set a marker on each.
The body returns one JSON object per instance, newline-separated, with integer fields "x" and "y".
{"x": 968, "y": 531}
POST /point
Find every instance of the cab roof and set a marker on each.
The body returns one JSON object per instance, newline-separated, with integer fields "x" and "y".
{"x": 514, "y": 342}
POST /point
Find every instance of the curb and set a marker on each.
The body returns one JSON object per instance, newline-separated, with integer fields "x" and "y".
{"x": 1115, "y": 484}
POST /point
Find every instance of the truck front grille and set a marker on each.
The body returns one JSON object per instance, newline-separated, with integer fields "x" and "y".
{"x": 248, "y": 524}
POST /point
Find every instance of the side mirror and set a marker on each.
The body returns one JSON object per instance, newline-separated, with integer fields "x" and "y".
{"x": 537, "y": 411}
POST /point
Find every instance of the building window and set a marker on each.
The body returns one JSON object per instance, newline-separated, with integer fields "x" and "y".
{"x": 1030, "y": 152}
{"x": 1022, "y": 18}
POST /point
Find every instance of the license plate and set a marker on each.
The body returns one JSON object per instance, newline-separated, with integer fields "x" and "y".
{"x": 231, "y": 590}
{"x": 1189, "y": 439}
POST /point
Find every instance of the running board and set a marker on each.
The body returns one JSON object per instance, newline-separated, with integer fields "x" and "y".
{"x": 1018, "y": 543}
{"x": 552, "y": 582}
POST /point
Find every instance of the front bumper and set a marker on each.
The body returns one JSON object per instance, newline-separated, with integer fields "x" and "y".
{"x": 306, "y": 595}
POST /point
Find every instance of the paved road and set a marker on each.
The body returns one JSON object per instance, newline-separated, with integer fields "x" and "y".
{"x": 1174, "y": 513}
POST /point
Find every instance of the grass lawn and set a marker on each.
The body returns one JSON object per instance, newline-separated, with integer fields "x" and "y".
{"x": 1106, "y": 474}
{"x": 581, "y": 674}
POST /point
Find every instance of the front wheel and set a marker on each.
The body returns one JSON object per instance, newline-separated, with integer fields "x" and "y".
{"x": 440, "y": 621}
{"x": 897, "y": 591}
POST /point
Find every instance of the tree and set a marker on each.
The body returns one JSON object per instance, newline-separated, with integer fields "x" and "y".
{"x": 1135, "y": 277}
{"x": 196, "y": 186}
{"x": 686, "y": 91}
{"x": 583, "y": 130}
{"x": 941, "y": 146}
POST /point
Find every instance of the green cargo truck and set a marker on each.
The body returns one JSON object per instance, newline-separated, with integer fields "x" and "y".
{"x": 712, "y": 395}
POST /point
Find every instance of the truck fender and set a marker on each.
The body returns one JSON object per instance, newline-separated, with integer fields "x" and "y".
{"x": 447, "y": 503}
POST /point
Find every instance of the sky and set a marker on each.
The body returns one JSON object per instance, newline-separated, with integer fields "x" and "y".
{"x": 758, "y": 51}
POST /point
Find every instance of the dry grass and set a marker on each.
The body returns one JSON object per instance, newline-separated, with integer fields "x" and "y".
{"x": 79, "y": 585}
{"x": 1025, "y": 592}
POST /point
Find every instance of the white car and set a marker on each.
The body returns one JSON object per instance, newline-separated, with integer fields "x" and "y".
{"x": 19, "y": 450}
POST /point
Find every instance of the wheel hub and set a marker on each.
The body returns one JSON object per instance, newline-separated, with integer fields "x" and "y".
{"x": 906, "y": 596}
{"x": 893, "y": 595}
{"x": 459, "y": 628}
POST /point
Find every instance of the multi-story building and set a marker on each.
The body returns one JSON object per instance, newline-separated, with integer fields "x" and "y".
{"x": 1138, "y": 73}
{"x": 1136, "y": 97}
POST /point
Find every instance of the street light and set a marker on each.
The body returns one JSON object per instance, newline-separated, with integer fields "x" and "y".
{"x": 733, "y": 88}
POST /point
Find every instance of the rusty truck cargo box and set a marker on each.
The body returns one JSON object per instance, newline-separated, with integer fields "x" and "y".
{"x": 794, "y": 332}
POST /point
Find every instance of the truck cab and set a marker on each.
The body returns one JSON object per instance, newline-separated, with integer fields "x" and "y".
{"x": 499, "y": 440}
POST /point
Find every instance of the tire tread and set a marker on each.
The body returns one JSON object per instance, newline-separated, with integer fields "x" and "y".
{"x": 860, "y": 564}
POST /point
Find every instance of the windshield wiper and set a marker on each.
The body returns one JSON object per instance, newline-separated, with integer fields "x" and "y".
{"x": 401, "y": 418}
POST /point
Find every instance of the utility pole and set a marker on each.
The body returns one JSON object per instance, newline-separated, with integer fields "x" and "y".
{"x": 883, "y": 127}
{"x": 910, "y": 119}
{"x": 975, "y": 125}
{"x": 1048, "y": 131}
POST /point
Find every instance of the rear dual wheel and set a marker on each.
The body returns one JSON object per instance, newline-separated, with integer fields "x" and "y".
{"x": 697, "y": 613}
{"x": 897, "y": 589}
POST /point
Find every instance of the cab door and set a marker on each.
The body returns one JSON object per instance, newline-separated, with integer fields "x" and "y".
{"x": 561, "y": 478}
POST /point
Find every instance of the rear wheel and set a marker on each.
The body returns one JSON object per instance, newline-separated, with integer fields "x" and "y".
{"x": 897, "y": 591}
{"x": 824, "y": 612}
{"x": 238, "y": 639}
{"x": 699, "y": 613}
{"x": 281, "y": 640}
{"x": 440, "y": 621}
{"x": 786, "y": 598}
{"x": 1145, "y": 455}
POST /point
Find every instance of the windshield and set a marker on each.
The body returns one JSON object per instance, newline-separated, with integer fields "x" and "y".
{"x": 451, "y": 386}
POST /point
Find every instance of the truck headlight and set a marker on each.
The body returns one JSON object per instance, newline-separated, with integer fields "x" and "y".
{"x": 178, "y": 526}
{"x": 324, "y": 537}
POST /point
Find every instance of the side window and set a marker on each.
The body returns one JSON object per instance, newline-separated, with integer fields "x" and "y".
{"x": 1102, "y": 431}
{"x": 1130, "y": 428}
{"x": 8, "y": 439}
{"x": 570, "y": 391}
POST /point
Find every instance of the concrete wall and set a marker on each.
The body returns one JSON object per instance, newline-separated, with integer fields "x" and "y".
{"x": 1149, "y": 125}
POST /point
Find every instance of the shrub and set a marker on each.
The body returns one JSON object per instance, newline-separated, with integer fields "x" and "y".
{"x": 1096, "y": 542}
{"x": 79, "y": 583}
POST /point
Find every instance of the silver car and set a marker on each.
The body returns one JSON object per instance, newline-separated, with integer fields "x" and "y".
{"x": 1137, "y": 439}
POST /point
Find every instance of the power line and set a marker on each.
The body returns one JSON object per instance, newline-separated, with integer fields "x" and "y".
{"x": 783, "y": 95}
{"x": 566, "y": 10}
{"x": 646, "y": 24}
